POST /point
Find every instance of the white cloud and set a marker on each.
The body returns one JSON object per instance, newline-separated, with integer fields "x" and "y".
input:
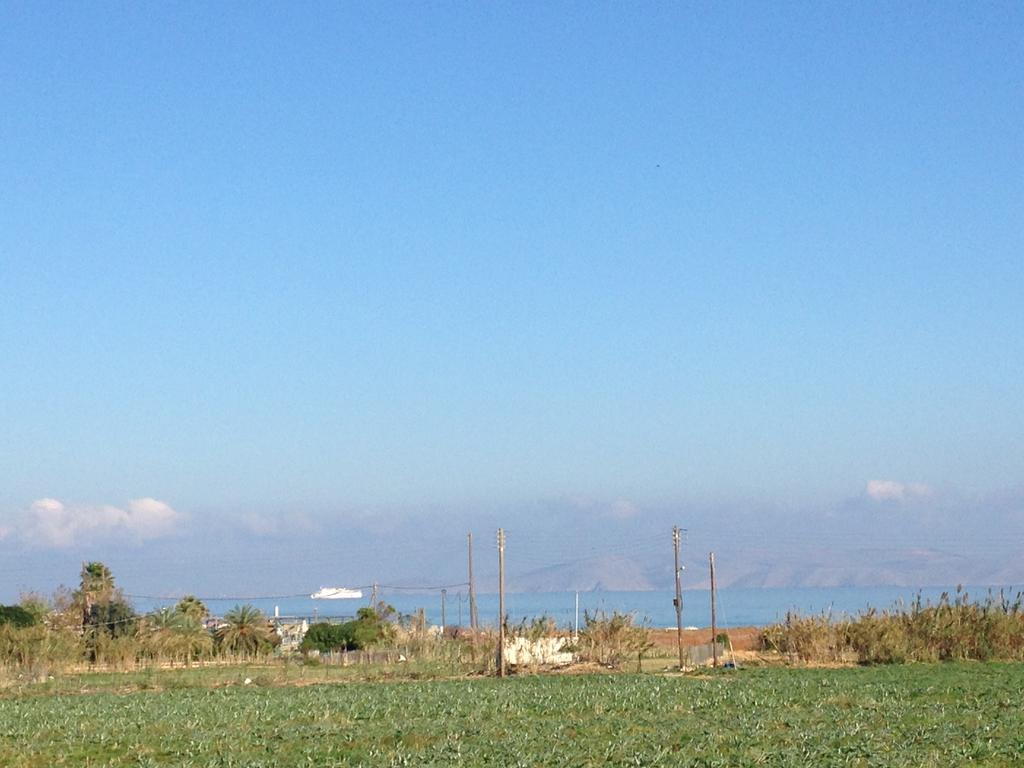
{"x": 52, "y": 523}
{"x": 893, "y": 490}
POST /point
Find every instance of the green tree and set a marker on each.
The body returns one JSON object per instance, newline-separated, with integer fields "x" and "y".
{"x": 371, "y": 626}
{"x": 37, "y": 605}
{"x": 170, "y": 634}
{"x": 246, "y": 632}
{"x": 105, "y": 610}
{"x": 16, "y": 616}
{"x": 96, "y": 585}
{"x": 115, "y": 618}
{"x": 156, "y": 632}
{"x": 192, "y": 607}
{"x": 325, "y": 637}
{"x": 193, "y": 640}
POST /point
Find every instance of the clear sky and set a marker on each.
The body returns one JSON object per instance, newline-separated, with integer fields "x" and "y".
{"x": 268, "y": 260}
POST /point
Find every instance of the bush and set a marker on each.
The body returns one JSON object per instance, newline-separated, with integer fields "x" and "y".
{"x": 325, "y": 637}
{"x": 953, "y": 629}
{"x": 371, "y": 627}
{"x": 610, "y": 640}
{"x": 16, "y": 616}
{"x": 38, "y": 649}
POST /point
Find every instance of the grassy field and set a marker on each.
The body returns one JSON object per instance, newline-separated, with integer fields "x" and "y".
{"x": 881, "y": 716}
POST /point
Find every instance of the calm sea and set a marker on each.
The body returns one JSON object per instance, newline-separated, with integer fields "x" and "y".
{"x": 736, "y": 607}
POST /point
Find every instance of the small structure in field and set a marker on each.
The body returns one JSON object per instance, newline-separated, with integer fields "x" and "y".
{"x": 544, "y": 651}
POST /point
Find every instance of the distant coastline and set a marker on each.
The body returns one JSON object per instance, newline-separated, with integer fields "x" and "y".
{"x": 737, "y": 607}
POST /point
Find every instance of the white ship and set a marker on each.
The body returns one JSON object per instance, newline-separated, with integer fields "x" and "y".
{"x": 337, "y": 593}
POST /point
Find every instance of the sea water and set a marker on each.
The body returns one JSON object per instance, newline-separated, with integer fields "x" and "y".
{"x": 736, "y": 607}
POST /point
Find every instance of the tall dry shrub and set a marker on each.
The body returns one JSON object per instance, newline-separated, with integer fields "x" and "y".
{"x": 610, "y": 640}
{"x": 38, "y": 650}
{"x": 805, "y": 638}
{"x": 955, "y": 628}
{"x": 876, "y": 638}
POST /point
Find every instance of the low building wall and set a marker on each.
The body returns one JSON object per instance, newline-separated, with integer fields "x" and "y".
{"x": 546, "y": 651}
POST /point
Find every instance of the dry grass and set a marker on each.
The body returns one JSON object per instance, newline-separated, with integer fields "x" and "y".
{"x": 956, "y": 628}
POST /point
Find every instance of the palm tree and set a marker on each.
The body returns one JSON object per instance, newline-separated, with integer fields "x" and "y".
{"x": 157, "y": 632}
{"x": 103, "y": 608}
{"x": 164, "y": 618}
{"x": 97, "y": 586}
{"x": 245, "y": 631}
{"x": 193, "y": 640}
{"x": 97, "y": 579}
{"x": 169, "y": 634}
{"x": 192, "y": 607}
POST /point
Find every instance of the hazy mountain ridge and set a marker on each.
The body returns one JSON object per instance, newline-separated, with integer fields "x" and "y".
{"x": 867, "y": 568}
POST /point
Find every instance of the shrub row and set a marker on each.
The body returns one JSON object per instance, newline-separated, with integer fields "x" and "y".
{"x": 955, "y": 628}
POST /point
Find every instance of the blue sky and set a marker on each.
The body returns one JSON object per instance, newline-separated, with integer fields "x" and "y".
{"x": 407, "y": 258}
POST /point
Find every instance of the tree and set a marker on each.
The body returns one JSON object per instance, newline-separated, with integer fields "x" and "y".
{"x": 325, "y": 637}
{"x": 370, "y": 627}
{"x": 246, "y": 631}
{"x": 16, "y": 616}
{"x": 97, "y": 585}
{"x": 115, "y": 618}
{"x": 156, "y": 632}
{"x": 193, "y": 640}
{"x": 104, "y": 609}
{"x": 170, "y": 634}
{"x": 37, "y": 605}
{"x": 192, "y": 607}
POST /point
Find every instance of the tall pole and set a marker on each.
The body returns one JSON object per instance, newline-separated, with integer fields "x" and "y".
{"x": 474, "y": 619}
{"x": 373, "y": 597}
{"x": 576, "y": 625}
{"x": 501, "y": 602}
{"x": 444, "y": 594}
{"x": 679, "y": 596}
{"x": 714, "y": 624}
{"x": 86, "y": 598}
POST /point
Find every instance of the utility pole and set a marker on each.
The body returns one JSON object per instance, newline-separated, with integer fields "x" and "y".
{"x": 444, "y": 594}
{"x": 501, "y": 602}
{"x": 373, "y": 597}
{"x": 474, "y": 619}
{"x": 714, "y": 624}
{"x": 576, "y": 625}
{"x": 678, "y": 602}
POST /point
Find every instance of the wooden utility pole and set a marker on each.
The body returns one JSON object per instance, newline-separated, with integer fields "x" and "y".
{"x": 501, "y": 602}
{"x": 714, "y": 623}
{"x": 444, "y": 594}
{"x": 474, "y": 619}
{"x": 679, "y": 596}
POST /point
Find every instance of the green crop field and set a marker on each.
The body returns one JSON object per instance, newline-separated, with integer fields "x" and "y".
{"x": 882, "y": 716}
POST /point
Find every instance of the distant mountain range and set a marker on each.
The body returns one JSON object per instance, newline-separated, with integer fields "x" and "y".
{"x": 863, "y": 568}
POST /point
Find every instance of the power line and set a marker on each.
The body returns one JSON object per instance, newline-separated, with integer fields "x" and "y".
{"x": 211, "y": 598}
{"x": 423, "y": 589}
